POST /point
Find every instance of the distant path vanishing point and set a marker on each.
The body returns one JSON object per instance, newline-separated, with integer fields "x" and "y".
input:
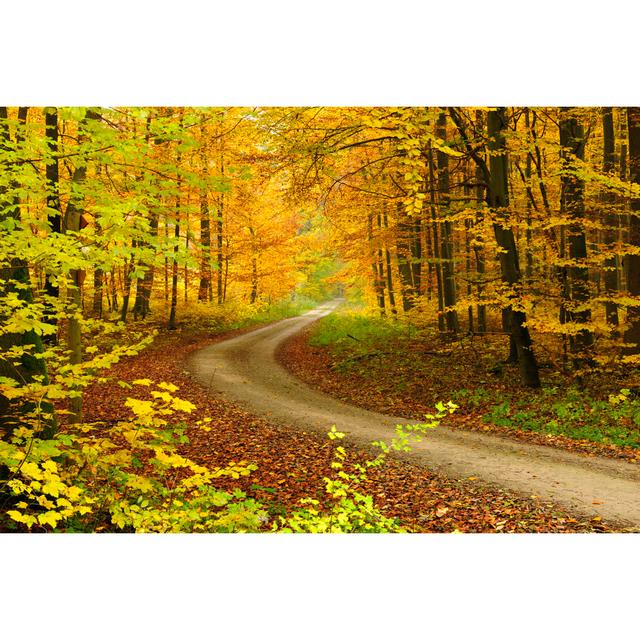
{"x": 245, "y": 371}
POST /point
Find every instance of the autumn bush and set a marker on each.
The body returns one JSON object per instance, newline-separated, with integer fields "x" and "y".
{"x": 129, "y": 476}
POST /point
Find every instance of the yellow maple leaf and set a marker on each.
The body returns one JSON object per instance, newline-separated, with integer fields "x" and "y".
{"x": 167, "y": 386}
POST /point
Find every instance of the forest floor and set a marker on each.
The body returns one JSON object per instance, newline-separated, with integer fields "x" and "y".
{"x": 245, "y": 370}
{"x": 403, "y": 372}
{"x": 292, "y": 461}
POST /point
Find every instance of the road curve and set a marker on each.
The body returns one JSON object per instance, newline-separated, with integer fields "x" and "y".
{"x": 244, "y": 370}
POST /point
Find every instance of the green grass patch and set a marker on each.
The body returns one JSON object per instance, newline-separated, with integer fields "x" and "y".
{"x": 573, "y": 413}
{"x": 353, "y": 331}
{"x": 238, "y": 315}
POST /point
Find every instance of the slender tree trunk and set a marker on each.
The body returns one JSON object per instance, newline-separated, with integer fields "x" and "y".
{"x": 468, "y": 232}
{"x": 226, "y": 269}
{"x": 97, "y": 292}
{"x": 498, "y": 201}
{"x": 166, "y": 263}
{"x": 171, "y": 325}
{"x": 611, "y": 219}
{"x": 204, "y": 291}
{"x": 576, "y": 296}
{"x": 479, "y": 241}
{"x": 72, "y": 220}
{"x": 186, "y": 246}
{"x": 528, "y": 233}
{"x": 221, "y": 286}
{"x": 392, "y": 297}
{"x": 380, "y": 264}
{"x": 144, "y": 284}
{"x": 446, "y": 233}
{"x": 428, "y": 254}
{"x": 378, "y": 283}
{"x": 54, "y": 212}
{"x": 632, "y": 335}
{"x": 126, "y": 293}
{"x": 254, "y": 267}
{"x": 436, "y": 240}
{"x": 149, "y": 273}
{"x": 409, "y": 252}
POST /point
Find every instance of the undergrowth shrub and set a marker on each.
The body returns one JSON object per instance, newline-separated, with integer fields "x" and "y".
{"x": 131, "y": 477}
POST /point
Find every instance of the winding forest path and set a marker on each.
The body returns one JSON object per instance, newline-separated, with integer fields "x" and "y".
{"x": 244, "y": 370}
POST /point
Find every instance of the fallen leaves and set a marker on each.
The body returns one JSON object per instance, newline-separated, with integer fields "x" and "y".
{"x": 291, "y": 463}
{"x": 385, "y": 386}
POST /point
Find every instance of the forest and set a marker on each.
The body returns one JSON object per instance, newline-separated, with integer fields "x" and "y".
{"x": 474, "y": 271}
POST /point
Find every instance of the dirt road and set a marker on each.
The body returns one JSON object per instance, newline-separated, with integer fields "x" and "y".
{"x": 244, "y": 370}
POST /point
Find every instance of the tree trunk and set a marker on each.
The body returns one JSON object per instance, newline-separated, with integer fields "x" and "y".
{"x": 409, "y": 252}
{"x": 254, "y": 267}
{"x": 498, "y": 201}
{"x": 611, "y": 220}
{"x": 54, "y": 212}
{"x": 576, "y": 294}
{"x": 97, "y": 292}
{"x": 221, "y": 286}
{"x": 632, "y": 335}
{"x": 528, "y": 233}
{"x": 126, "y": 293}
{"x": 378, "y": 283}
{"x": 72, "y": 218}
{"x": 479, "y": 241}
{"x": 392, "y": 297}
{"x": 436, "y": 240}
{"x": 171, "y": 325}
{"x": 446, "y": 233}
{"x": 204, "y": 290}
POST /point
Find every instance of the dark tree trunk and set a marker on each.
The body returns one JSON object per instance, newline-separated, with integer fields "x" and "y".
{"x": 436, "y": 240}
{"x": 446, "y": 233}
{"x": 632, "y": 335}
{"x": 171, "y": 325}
{"x": 409, "y": 251}
{"x": 221, "y": 285}
{"x": 498, "y": 201}
{"x": 254, "y": 267}
{"x": 576, "y": 292}
{"x": 479, "y": 241}
{"x": 144, "y": 284}
{"x": 72, "y": 220}
{"x": 204, "y": 290}
{"x": 126, "y": 293}
{"x": 528, "y": 232}
{"x": 378, "y": 282}
{"x": 392, "y": 297}
{"x": 54, "y": 212}
{"x": 220, "y": 280}
{"x": 97, "y": 292}
{"x": 611, "y": 219}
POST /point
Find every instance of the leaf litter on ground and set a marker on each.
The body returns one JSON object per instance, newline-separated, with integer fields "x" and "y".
{"x": 293, "y": 462}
